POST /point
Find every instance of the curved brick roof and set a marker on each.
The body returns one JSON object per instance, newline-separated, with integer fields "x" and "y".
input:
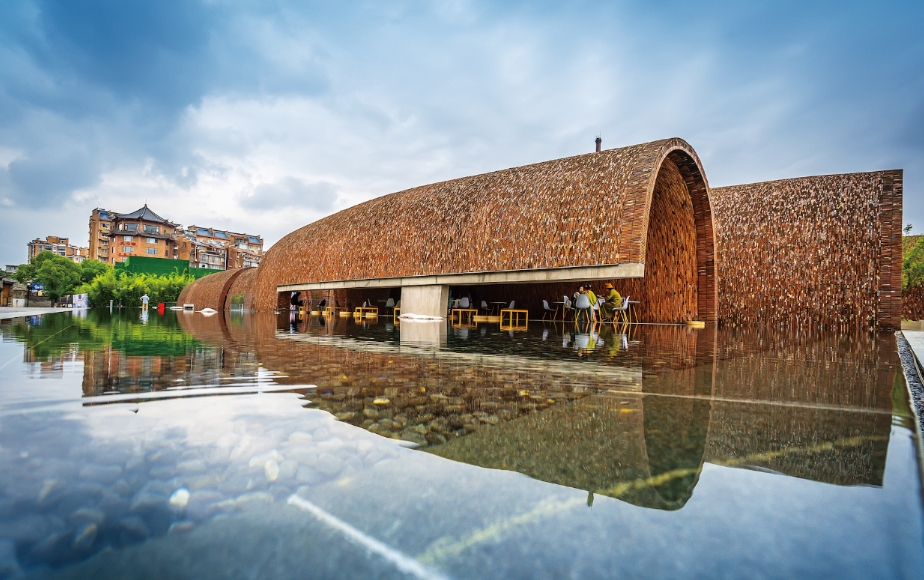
{"x": 212, "y": 291}
{"x": 586, "y": 210}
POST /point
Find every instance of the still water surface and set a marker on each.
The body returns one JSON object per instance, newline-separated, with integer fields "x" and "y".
{"x": 255, "y": 446}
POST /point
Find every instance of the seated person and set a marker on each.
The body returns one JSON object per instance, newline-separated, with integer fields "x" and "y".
{"x": 593, "y": 299}
{"x": 590, "y": 293}
{"x": 582, "y": 306}
{"x": 613, "y": 301}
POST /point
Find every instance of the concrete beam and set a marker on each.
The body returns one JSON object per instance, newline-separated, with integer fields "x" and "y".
{"x": 536, "y": 276}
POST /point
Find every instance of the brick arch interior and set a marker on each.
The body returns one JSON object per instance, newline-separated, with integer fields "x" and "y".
{"x": 670, "y": 290}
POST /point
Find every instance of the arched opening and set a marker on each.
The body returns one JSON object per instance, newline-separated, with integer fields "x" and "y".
{"x": 679, "y": 281}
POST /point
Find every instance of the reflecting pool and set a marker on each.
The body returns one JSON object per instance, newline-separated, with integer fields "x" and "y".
{"x": 257, "y": 446}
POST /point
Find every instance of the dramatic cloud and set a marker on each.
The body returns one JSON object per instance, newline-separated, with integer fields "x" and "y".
{"x": 291, "y": 192}
{"x": 261, "y": 117}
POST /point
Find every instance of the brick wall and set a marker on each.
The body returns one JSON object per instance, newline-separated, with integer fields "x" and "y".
{"x": 814, "y": 250}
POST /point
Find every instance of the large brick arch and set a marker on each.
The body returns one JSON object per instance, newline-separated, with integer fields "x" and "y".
{"x": 588, "y": 210}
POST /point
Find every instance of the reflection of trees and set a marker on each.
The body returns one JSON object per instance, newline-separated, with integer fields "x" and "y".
{"x": 56, "y": 334}
{"x": 51, "y": 336}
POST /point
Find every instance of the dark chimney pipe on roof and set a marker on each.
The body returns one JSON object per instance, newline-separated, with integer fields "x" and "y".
{"x": 599, "y": 142}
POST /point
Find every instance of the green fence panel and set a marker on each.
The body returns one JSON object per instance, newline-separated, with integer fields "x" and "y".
{"x": 161, "y": 267}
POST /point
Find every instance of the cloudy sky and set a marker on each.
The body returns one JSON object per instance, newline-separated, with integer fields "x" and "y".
{"x": 262, "y": 116}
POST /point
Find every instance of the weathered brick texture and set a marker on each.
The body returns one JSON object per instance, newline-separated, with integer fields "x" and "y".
{"x": 587, "y": 210}
{"x": 213, "y": 291}
{"x": 822, "y": 250}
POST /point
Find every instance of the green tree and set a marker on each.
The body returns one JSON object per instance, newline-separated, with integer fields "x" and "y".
{"x": 56, "y": 273}
{"x": 126, "y": 288}
{"x": 25, "y": 273}
{"x": 913, "y": 265}
{"x": 90, "y": 269}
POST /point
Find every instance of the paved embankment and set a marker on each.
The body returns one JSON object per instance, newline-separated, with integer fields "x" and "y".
{"x": 915, "y": 342}
{"x": 16, "y": 312}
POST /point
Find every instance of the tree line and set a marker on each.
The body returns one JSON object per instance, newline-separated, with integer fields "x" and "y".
{"x": 60, "y": 276}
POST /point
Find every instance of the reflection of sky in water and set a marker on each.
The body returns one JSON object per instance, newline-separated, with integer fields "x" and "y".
{"x": 676, "y": 454}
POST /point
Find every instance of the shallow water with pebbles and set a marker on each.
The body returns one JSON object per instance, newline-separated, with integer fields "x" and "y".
{"x": 259, "y": 447}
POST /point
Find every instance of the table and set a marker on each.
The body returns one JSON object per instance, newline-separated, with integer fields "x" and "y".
{"x": 514, "y": 315}
{"x": 331, "y": 310}
{"x": 497, "y": 306}
{"x": 366, "y": 311}
{"x": 559, "y": 305}
{"x": 463, "y": 313}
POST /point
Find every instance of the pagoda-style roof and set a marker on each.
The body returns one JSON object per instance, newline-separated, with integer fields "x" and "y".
{"x": 143, "y": 213}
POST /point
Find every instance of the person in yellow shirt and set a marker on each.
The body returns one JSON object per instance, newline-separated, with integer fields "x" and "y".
{"x": 613, "y": 301}
{"x": 593, "y": 301}
{"x": 590, "y": 294}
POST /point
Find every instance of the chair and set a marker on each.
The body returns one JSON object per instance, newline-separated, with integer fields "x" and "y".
{"x": 596, "y": 307}
{"x": 390, "y": 303}
{"x": 622, "y": 311}
{"x": 582, "y": 305}
{"x": 464, "y": 302}
{"x": 546, "y": 309}
{"x": 512, "y": 304}
{"x": 485, "y": 307}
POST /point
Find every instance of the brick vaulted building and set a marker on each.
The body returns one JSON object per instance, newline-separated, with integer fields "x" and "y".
{"x": 816, "y": 250}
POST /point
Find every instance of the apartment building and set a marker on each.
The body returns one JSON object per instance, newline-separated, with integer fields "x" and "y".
{"x": 115, "y": 236}
{"x": 59, "y": 246}
{"x": 220, "y": 249}
{"x": 100, "y": 225}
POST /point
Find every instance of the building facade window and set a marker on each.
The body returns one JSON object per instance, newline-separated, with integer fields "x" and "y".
{"x": 152, "y": 251}
{"x": 130, "y": 227}
{"x": 151, "y": 229}
{"x": 127, "y": 249}
{"x": 152, "y": 241}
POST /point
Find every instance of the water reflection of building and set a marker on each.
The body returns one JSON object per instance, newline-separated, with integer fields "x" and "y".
{"x": 810, "y": 406}
{"x": 111, "y": 370}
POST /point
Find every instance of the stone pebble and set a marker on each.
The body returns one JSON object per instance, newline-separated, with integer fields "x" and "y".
{"x": 64, "y": 502}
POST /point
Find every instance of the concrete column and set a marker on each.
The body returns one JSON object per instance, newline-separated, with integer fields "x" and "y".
{"x": 429, "y": 333}
{"x": 425, "y": 300}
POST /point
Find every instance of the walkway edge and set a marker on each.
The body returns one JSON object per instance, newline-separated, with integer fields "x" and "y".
{"x": 912, "y": 370}
{"x": 8, "y": 312}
